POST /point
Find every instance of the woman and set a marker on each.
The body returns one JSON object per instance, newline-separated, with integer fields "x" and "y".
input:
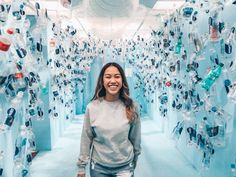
{"x": 111, "y": 135}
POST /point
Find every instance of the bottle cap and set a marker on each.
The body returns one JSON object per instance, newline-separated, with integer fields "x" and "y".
{"x": 10, "y": 31}
{"x": 19, "y": 75}
{"x": 232, "y": 165}
{"x": 4, "y": 44}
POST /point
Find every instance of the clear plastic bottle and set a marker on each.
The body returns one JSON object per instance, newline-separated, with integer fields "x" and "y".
{"x": 191, "y": 128}
{"x": 220, "y": 139}
{"x": 213, "y": 27}
{"x": 232, "y": 170}
{"x": 31, "y": 139}
{"x": 1, "y": 163}
{"x": 39, "y": 110}
{"x": 178, "y": 130}
{"x": 1, "y": 113}
{"x": 16, "y": 102}
{"x": 178, "y": 45}
{"x": 212, "y": 76}
{"x": 232, "y": 92}
{"x": 20, "y": 82}
{"x": 22, "y": 156}
{"x": 7, "y": 123}
{"x": 207, "y": 154}
{"x": 218, "y": 70}
{"x": 19, "y": 170}
{"x": 21, "y": 145}
{"x": 206, "y": 160}
{"x": 229, "y": 41}
{"x": 202, "y": 132}
{"x": 194, "y": 36}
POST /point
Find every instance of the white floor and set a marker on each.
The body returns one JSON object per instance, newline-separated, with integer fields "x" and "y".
{"x": 159, "y": 157}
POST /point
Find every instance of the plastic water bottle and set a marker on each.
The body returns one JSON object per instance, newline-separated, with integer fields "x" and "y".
{"x": 212, "y": 76}
{"x": 217, "y": 71}
{"x": 220, "y": 138}
{"x": 207, "y": 154}
{"x": 232, "y": 92}
{"x": 232, "y": 170}
{"x": 20, "y": 82}
{"x": 178, "y": 130}
{"x": 229, "y": 41}
{"x": 178, "y": 45}
{"x": 202, "y": 133}
{"x": 9, "y": 119}
{"x": 31, "y": 139}
{"x": 19, "y": 170}
{"x": 21, "y": 145}
{"x": 1, "y": 163}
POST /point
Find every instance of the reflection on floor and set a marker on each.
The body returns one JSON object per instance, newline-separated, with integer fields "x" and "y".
{"x": 159, "y": 157}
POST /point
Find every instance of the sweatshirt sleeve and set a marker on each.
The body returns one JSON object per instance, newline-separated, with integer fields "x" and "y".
{"x": 85, "y": 143}
{"x": 135, "y": 137}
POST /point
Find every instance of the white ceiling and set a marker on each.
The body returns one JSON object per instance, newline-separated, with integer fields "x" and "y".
{"x": 110, "y": 19}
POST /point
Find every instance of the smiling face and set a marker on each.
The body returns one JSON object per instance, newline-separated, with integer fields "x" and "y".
{"x": 112, "y": 82}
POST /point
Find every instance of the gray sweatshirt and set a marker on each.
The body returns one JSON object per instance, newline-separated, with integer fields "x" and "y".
{"x": 108, "y": 136}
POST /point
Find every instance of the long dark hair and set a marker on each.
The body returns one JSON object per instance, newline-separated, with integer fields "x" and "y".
{"x": 100, "y": 91}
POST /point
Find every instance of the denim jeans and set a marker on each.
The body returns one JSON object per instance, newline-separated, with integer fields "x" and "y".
{"x": 97, "y": 170}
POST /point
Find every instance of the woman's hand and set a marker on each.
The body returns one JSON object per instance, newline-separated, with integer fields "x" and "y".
{"x": 81, "y": 175}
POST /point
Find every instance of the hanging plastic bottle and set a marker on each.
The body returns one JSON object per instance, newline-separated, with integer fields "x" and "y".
{"x": 21, "y": 145}
{"x": 211, "y": 77}
{"x": 19, "y": 48}
{"x": 28, "y": 122}
{"x": 232, "y": 170}
{"x": 194, "y": 36}
{"x": 195, "y": 100}
{"x": 232, "y": 92}
{"x": 4, "y": 13}
{"x": 5, "y": 44}
{"x": 222, "y": 47}
{"x": 187, "y": 10}
{"x": 33, "y": 80}
{"x": 191, "y": 128}
{"x": 41, "y": 24}
{"x": 31, "y": 139}
{"x": 20, "y": 84}
{"x": 177, "y": 131}
{"x": 213, "y": 27}
{"x": 186, "y": 105}
{"x": 44, "y": 88}
{"x": 32, "y": 98}
{"x": 19, "y": 170}
{"x": 7, "y": 123}
{"x": 22, "y": 156}
{"x": 202, "y": 133}
{"x": 220, "y": 139}
{"x": 28, "y": 159}
{"x": 178, "y": 45}
{"x": 16, "y": 14}
{"x": 40, "y": 111}
{"x": 214, "y": 33}
{"x": 16, "y": 102}
{"x": 229, "y": 41}
{"x": 1, "y": 163}
{"x": 194, "y": 76}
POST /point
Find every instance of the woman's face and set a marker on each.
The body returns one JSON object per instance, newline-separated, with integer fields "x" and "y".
{"x": 112, "y": 82}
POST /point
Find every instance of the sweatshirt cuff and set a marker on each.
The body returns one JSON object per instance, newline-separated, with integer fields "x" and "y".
{"x": 81, "y": 170}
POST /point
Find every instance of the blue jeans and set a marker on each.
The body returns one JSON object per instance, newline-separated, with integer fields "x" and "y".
{"x": 97, "y": 170}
